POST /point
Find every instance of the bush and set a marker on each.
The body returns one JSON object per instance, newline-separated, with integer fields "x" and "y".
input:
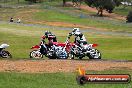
{"x": 129, "y": 17}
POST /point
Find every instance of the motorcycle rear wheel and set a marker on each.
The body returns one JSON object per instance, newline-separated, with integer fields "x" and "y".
{"x": 36, "y": 54}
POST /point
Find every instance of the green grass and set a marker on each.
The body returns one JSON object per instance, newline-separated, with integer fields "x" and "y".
{"x": 53, "y": 16}
{"x": 22, "y": 38}
{"x": 46, "y": 12}
{"x": 113, "y": 48}
{"x": 50, "y": 15}
{"x": 71, "y": 16}
{"x": 123, "y": 10}
{"x": 54, "y": 80}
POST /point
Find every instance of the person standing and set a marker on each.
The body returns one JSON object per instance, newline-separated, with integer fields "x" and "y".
{"x": 11, "y": 19}
{"x": 18, "y": 20}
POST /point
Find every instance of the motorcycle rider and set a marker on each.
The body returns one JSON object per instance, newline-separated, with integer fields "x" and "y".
{"x": 80, "y": 39}
{"x": 82, "y": 48}
{"x": 51, "y": 38}
{"x": 46, "y": 46}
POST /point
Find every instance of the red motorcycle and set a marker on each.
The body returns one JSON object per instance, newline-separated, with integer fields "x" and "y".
{"x": 56, "y": 50}
{"x": 52, "y": 50}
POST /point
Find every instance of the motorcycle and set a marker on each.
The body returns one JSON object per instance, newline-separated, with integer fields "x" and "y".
{"x": 4, "y": 53}
{"x": 61, "y": 50}
{"x": 53, "y": 51}
{"x": 64, "y": 50}
{"x": 86, "y": 50}
{"x": 38, "y": 50}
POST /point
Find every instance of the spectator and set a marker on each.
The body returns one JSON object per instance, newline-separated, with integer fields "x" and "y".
{"x": 18, "y": 20}
{"x": 11, "y": 20}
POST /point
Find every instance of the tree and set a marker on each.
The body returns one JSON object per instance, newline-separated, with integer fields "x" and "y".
{"x": 64, "y": 2}
{"x": 101, "y": 5}
{"x": 129, "y": 17}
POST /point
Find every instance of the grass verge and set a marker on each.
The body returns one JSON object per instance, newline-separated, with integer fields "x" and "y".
{"x": 54, "y": 80}
{"x": 123, "y": 10}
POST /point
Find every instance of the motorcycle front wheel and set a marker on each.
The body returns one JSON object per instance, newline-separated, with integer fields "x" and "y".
{"x": 36, "y": 54}
{"x": 63, "y": 56}
{"x": 94, "y": 54}
{"x": 5, "y": 54}
{"x": 71, "y": 56}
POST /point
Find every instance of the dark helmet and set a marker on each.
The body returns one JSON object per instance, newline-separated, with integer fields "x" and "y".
{"x": 47, "y": 33}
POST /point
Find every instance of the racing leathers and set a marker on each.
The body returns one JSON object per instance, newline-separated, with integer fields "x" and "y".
{"x": 80, "y": 39}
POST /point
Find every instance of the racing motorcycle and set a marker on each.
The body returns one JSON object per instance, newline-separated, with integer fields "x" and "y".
{"x": 61, "y": 50}
{"x": 86, "y": 50}
{"x": 53, "y": 51}
{"x": 4, "y": 53}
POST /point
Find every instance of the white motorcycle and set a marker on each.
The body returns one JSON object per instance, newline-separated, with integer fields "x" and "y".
{"x": 86, "y": 50}
{"x": 4, "y": 53}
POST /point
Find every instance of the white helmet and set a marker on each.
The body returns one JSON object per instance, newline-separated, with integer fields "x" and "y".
{"x": 76, "y": 31}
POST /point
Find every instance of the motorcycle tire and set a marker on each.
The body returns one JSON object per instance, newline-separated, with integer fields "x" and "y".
{"x": 50, "y": 55}
{"x": 5, "y": 54}
{"x": 35, "y": 54}
{"x": 62, "y": 58}
{"x": 80, "y": 58}
{"x": 94, "y": 54}
{"x": 71, "y": 55}
{"x": 61, "y": 55}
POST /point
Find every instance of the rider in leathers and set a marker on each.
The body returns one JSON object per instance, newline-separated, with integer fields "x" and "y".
{"x": 81, "y": 47}
{"x": 50, "y": 36}
{"x": 46, "y": 46}
{"x": 80, "y": 39}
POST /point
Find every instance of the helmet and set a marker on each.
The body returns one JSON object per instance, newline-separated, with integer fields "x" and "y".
{"x": 47, "y": 33}
{"x": 76, "y": 31}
